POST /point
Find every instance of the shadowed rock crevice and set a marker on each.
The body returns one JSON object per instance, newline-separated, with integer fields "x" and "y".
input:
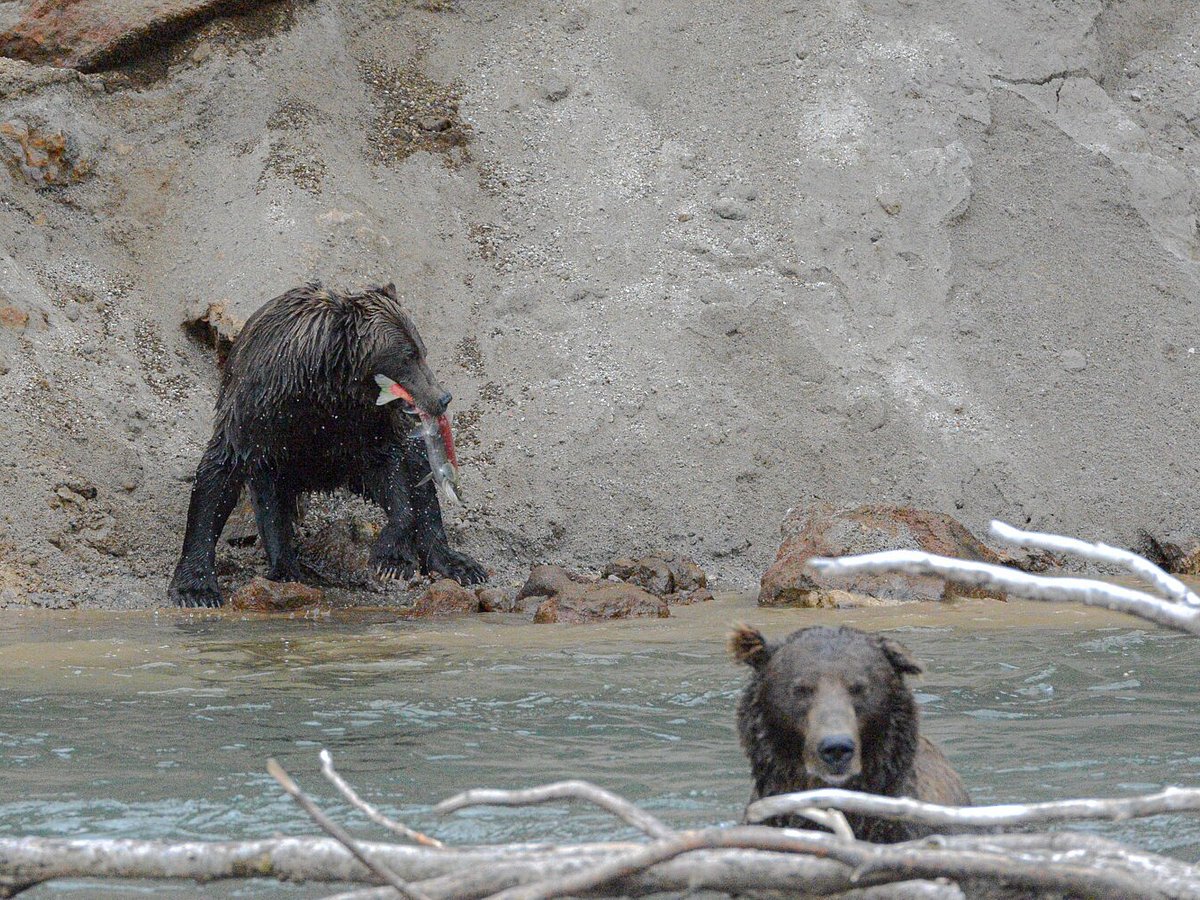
{"x": 95, "y": 35}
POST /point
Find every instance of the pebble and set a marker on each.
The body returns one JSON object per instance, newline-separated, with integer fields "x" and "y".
{"x": 728, "y": 208}
{"x": 555, "y": 88}
{"x": 1073, "y": 361}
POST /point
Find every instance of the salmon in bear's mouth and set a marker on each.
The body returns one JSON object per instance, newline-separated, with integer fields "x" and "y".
{"x": 435, "y": 432}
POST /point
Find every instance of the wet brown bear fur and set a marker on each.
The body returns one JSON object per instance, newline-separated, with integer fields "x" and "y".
{"x": 296, "y": 413}
{"x": 828, "y": 707}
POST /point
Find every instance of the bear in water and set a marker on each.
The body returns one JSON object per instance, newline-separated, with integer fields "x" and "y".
{"x": 828, "y": 707}
{"x": 296, "y": 413}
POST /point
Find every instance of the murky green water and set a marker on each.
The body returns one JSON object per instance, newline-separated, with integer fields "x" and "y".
{"x": 158, "y": 726}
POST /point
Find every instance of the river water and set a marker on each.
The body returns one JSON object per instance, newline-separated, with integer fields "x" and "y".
{"x": 158, "y": 725}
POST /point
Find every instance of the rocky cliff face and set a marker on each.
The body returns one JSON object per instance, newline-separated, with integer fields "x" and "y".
{"x": 683, "y": 265}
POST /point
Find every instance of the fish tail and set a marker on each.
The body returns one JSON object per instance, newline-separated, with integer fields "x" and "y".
{"x": 385, "y": 390}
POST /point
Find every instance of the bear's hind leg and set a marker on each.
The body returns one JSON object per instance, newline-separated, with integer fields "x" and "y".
{"x": 214, "y": 494}
{"x": 275, "y": 512}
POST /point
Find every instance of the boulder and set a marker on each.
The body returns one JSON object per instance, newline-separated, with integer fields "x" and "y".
{"x": 821, "y": 530}
{"x": 649, "y": 573}
{"x": 569, "y": 598}
{"x": 263, "y": 595}
{"x": 444, "y": 598}
{"x": 92, "y": 34}
{"x": 599, "y": 602}
{"x": 687, "y": 598}
{"x": 495, "y": 600}
{"x": 214, "y": 324}
{"x": 1178, "y": 553}
{"x": 660, "y": 572}
{"x": 547, "y": 581}
{"x": 340, "y": 550}
{"x": 44, "y": 155}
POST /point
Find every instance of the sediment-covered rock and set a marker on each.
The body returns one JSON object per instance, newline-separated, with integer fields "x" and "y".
{"x": 599, "y": 602}
{"x": 215, "y": 324}
{"x": 1178, "y": 553}
{"x": 821, "y": 530}
{"x": 90, "y": 34}
{"x": 43, "y": 154}
{"x": 687, "y": 598}
{"x": 263, "y": 595}
{"x": 661, "y": 572}
{"x": 565, "y": 597}
{"x": 444, "y": 598}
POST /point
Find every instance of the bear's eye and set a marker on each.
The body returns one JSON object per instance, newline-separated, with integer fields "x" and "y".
{"x": 802, "y": 691}
{"x": 858, "y": 688}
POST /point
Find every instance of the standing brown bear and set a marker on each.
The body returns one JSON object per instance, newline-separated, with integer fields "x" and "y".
{"x": 828, "y": 707}
{"x": 297, "y": 413}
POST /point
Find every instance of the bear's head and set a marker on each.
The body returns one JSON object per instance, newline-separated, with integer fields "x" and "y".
{"x": 392, "y": 346}
{"x": 830, "y": 704}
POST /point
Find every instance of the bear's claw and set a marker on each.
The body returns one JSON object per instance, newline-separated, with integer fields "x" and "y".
{"x": 204, "y": 594}
{"x": 455, "y": 565}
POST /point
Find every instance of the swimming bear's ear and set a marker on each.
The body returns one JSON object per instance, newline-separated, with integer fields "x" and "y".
{"x": 900, "y": 657}
{"x": 390, "y": 290}
{"x": 747, "y": 645}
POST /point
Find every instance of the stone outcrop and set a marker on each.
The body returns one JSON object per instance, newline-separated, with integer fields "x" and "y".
{"x": 92, "y": 34}
{"x": 444, "y": 598}
{"x": 660, "y": 572}
{"x": 262, "y": 595}
{"x": 821, "y": 530}
{"x": 568, "y": 598}
{"x": 42, "y": 154}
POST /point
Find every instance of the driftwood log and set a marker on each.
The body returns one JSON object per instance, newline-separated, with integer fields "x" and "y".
{"x": 737, "y": 859}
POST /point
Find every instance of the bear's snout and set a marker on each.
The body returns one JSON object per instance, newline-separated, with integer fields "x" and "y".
{"x": 831, "y": 747}
{"x": 837, "y": 752}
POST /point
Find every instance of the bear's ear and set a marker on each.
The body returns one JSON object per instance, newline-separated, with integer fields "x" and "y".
{"x": 390, "y": 290}
{"x": 900, "y": 657}
{"x": 748, "y": 645}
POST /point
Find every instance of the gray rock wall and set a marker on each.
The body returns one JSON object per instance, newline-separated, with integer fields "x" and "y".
{"x": 683, "y": 264}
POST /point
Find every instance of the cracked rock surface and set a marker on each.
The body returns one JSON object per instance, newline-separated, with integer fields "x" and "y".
{"x": 681, "y": 268}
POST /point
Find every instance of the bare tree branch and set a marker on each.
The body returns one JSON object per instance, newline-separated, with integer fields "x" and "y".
{"x": 1033, "y": 587}
{"x": 1169, "y": 800}
{"x": 871, "y": 863}
{"x": 560, "y": 790}
{"x": 1165, "y": 583}
{"x": 366, "y": 808}
{"x": 939, "y": 889}
{"x": 806, "y": 863}
{"x": 338, "y": 833}
{"x": 832, "y": 819}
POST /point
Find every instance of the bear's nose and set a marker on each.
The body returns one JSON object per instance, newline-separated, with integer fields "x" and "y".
{"x": 443, "y": 402}
{"x": 836, "y": 752}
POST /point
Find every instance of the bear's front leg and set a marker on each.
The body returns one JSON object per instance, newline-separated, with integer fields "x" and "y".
{"x": 214, "y": 494}
{"x": 429, "y": 534}
{"x": 438, "y": 558}
{"x": 394, "y": 554}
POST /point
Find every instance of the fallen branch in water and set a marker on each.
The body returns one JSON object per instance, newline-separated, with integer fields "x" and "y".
{"x": 1006, "y": 815}
{"x": 367, "y": 809}
{"x": 733, "y": 859}
{"x": 1179, "y": 614}
{"x": 560, "y": 790}
{"x": 340, "y": 834}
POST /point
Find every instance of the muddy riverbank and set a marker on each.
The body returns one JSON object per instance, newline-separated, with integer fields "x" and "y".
{"x": 681, "y": 269}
